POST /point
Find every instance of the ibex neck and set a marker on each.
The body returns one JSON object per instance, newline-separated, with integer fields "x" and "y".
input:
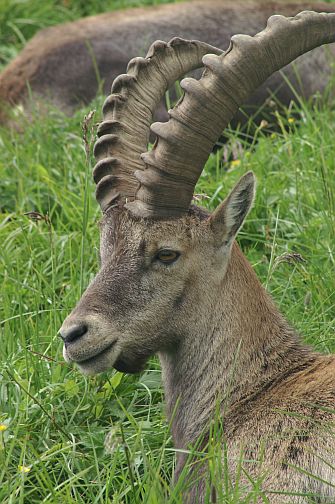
{"x": 239, "y": 343}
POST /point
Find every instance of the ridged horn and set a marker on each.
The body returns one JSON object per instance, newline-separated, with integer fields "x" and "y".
{"x": 183, "y": 144}
{"x": 127, "y": 114}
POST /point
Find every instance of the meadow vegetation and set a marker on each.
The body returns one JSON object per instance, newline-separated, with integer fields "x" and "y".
{"x": 68, "y": 439}
{"x": 21, "y": 19}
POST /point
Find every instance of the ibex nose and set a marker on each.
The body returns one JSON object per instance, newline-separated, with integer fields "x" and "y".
{"x": 72, "y": 333}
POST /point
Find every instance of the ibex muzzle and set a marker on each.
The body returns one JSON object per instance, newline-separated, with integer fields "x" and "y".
{"x": 174, "y": 282}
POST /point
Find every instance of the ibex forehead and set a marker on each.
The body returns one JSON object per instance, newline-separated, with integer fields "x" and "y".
{"x": 121, "y": 232}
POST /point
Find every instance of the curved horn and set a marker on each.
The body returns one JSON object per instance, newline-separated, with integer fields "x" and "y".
{"x": 124, "y": 132}
{"x": 183, "y": 144}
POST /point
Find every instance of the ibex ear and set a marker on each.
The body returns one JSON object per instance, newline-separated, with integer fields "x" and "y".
{"x": 227, "y": 219}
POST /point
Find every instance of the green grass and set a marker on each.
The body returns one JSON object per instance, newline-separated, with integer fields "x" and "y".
{"x": 70, "y": 439}
{"x": 21, "y": 19}
{"x": 57, "y": 420}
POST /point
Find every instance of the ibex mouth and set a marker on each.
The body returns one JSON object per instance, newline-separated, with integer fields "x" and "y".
{"x": 84, "y": 362}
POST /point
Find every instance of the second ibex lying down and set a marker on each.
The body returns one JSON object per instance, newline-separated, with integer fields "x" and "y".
{"x": 174, "y": 282}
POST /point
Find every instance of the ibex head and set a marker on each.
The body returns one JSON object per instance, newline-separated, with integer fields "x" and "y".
{"x": 163, "y": 260}
{"x": 150, "y": 283}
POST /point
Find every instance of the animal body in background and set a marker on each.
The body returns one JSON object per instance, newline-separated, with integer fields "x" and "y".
{"x": 174, "y": 282}
{"x": 60, "y": 63}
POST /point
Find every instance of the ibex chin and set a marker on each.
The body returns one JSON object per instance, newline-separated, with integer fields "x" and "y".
{"x": 174, "y": 282}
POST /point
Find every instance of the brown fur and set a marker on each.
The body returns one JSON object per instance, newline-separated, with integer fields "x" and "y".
{"x": 59, "y": 66}
{"x": 220, "y": 340}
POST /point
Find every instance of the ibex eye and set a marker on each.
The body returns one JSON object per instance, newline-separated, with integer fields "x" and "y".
{"x": 167, "y": 256}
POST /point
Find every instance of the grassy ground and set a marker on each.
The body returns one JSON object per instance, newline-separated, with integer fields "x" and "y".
{"x": 57, "y": 422}
{"x": 68, "y": 439}
{"x": 20, "y": 19}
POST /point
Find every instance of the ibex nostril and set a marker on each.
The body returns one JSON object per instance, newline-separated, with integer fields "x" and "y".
{"x": 73, "y": 333}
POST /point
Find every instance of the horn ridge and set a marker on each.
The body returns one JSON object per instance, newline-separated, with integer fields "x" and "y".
{"x": 208, "y": 105}
{"x": 128, "y": 111}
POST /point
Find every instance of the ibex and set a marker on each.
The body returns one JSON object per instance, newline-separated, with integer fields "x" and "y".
{"x": 61, "y": 63}
{"x": 174, "y": 282}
